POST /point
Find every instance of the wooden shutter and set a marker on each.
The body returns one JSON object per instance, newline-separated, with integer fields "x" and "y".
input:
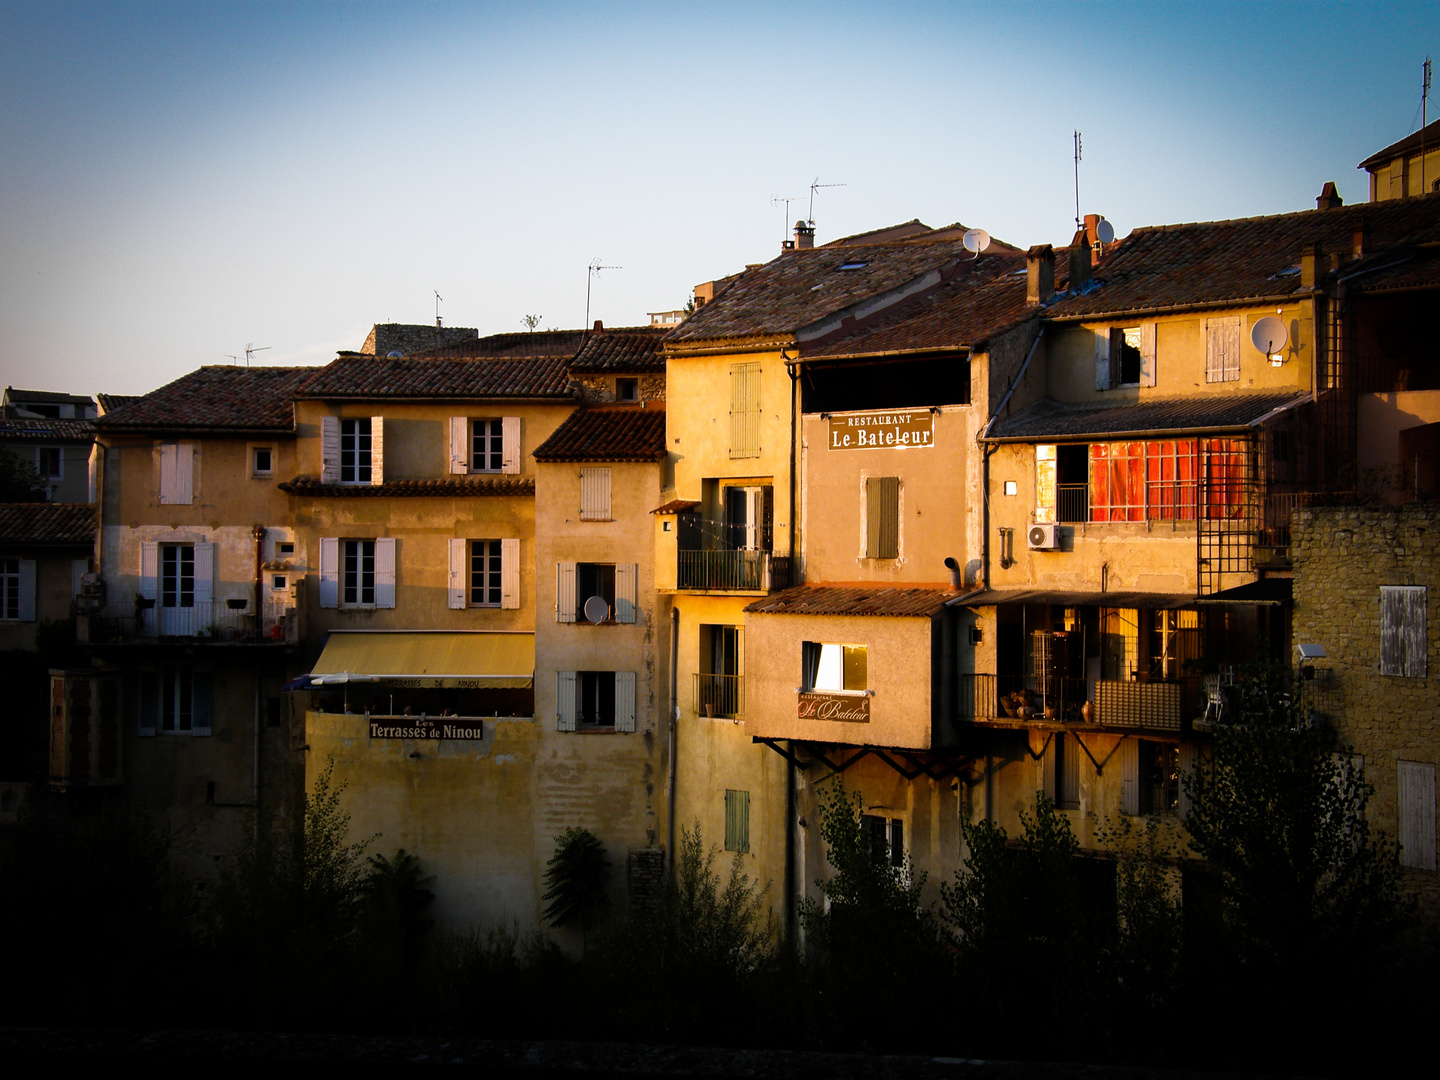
{"x": 1047, "y": 766}
{"x": 385, "y": 572}
{"x": 459, "y": 444}
{"x": 202, "y": 702}
{"x": 27, "y": 590}
{"x": 1222, "y": 349}
{"x": 1403, "y": 631}
{"x": 1044, "y": 483}
{"x": 510, "y": 574}
{"x": 78, "y": 569}
{"x": 204, "y": 577}
{"x": 377, "y": 450}
{"x": 595, "y": 494}
{"x": 745, "y": 410}
{"x": 1102, "y": 360}
{"x": 624, "y": 701}
{"x": 1416, "y": 810}
{"x": 459, "y": 572}
{"x": 1117, "y": 350}
{"x": 1130, "y": 775}
{"x": 627, "y": 591}
{"x": 564, "y": 701}
{"x": 1188, "y": 758}
{"x": 1147, "y": 354}
{"x": 737, "y": 821}
{"x": 510, "y": 444}
{"x": 330, "y": 450}
{"x": 148, "y": 705}
{"x": 329, "y": 572}
{"x": 176, "y": 473}
{"x": 882, "y": 517}
{"x": 565, "y": 592}
{"x": 149, "y": 569}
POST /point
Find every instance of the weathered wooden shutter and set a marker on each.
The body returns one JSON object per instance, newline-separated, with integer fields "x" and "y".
{"x": 744, "y": 410}
{"x": 1102, "y": 360}
{"x": 329, "y": 449}
{"x": 1403, "y": 631}
{"x": 1130, "y": 775}
{"x": 627, "y": 591}
{"x": 595, "y": 494}
{"x": 882, "y": 517}
{"x": 385, "y": 572}
{"x": 1044, "y": 483}
{"x": 1416, "y": 811}
{"x": 27, "y": 590}
{"x": 459, "y": 572}
{"x": 1188, "y": 758}
{"x": 564, "y": 701}
{"x": 624, "y": 701}
{"x": 202, "y": 702}
{"x": 565, "y": 592}
{"x": 1117, "y": 352}
{"x": 329, "y": 572}
{"x": 377, "y": 450}
{"x": 176, "y": 473}
{"x": 510, "y": 444}
{"x": 149, "y": 569}
{"x": 459, "y": 444}
{"x": 1222, "y": 349}
{"x": 148, "y": 710}
{"x": 1067, "y": 779}
{"x": 1047, "y": 767}
{"x": 510, "y": 573}
{"x": 737, "y": 821}
{"x": 1147, "y": 354}
{"x": 204, "y": 578}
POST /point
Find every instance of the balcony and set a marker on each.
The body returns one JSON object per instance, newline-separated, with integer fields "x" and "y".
{"x": 720, "y": 696}
{"x": 215, "y": 622}
{"x": 1072, "y": 503}
{"x": 732, "y": 571}
{"x": 1151, "y": 706}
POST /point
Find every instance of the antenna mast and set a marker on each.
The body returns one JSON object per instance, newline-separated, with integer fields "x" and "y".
{"x": 593, "y": 273}
{"x": 438, "y": 298}
{"x": 251, "y": 350}
{"x": 784, "y": 200}
{"x": 810, "y": 217}
{"x": 1077, "y": 179}
{"x": 1424, "y": 102}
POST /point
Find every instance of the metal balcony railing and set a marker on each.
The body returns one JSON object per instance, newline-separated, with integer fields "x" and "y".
{"x": 733, "y": 571}
{"x": 720, "y": 696}
{"x": 1127, "y": 703}
{"x": 1072, "y": 503}
{"x": 218, "y": 621}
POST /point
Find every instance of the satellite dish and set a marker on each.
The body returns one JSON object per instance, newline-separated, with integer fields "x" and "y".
{"x": 1269, "y": 336}
{"x": 1105, "y": 232}
{"x": 976, "y": 240}
{"x": 597, "y": 610}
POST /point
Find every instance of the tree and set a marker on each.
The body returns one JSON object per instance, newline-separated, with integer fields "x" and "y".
{"x": 19, "y": 482}
{"x": 575, "y": 881}
{"x": 530, "y": 321}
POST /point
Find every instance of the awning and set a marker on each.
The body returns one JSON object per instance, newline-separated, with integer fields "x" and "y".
{"x": 442, "y": 659}
{"x": 1274, "y": 591}
{"x": 1061, "y": 598}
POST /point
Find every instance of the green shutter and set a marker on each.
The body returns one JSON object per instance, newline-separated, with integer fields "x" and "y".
{"x": 737, "y": 821}
{"x": 882, "y": 517}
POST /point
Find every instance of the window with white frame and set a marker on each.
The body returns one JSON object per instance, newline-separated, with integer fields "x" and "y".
{"x": 177, "y": 473}
{"x": 262, "y": 461}
{"x": 484, "y": 444}
{"x": 49, "y": 462}
{"x": 175, "y": 699}
{"x": 352, "y": 450}
{"x": 1403, "y": 638}
{"x": 17, "y": 589}
{"x": 357, "y": 573}
{"x": 177, "y": 575}
{"x": 884, "y": 839}
{"x": 484, "y": 573}
{"x": 595, "y": 494}
{"x": 595, "y": 700}
{"x": 356, "y": 445}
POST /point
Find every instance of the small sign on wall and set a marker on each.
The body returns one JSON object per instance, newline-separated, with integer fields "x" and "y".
{"x": 819, "y": 705}
{"x": 427, "y": 727}
{"x": 882, "y": 430}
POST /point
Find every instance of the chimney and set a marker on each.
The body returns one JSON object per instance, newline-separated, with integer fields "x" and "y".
{"x": 599, "y": 326}
{"x": 1079, "y": 261}
{"x": 1092, "y": 227}
{"x": 1329, "y": 198}
{"x": 804, "y": 235}
{"x": 1309, "y": 265}
{"x": 1357, "y": 241}
{"x": 1039, "y": 274}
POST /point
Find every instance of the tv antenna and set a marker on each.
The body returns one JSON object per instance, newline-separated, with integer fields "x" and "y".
{"x": 438, "y": 298}
{"x": 785, "y": 201}
{"x": 251, "y": 350}
{"x": 594, "y": 272}
{"x": 1424, "y": 117}
{"x": 814, "y": 187}
{"x": 1077, "y": 179}
{"x": 233, "y": 359}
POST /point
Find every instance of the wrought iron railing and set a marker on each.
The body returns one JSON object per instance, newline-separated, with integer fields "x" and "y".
{"x": 720, "y": 696}
{"x": 733, "y": 571}
{"x": 216, "y": 621}
{"x": 1072, "y": 502}
{"x": 1113, "y": 702}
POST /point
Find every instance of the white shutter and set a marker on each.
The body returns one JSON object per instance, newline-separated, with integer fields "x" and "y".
{"x": 1102, "y": 360}
{"x": 510, "y": 444}
{"x": 204, "y": 576}
{"x": 1188, "y": 758}
{"x": 459, "y": 565}
{"x": 627, "y": 591}
{"x": 1222, "y": 349}
{"x": 459, "y": 445}
{"x": 385, "y": 572}
{"x": 565, "y": 701}
{"x": 565, "y": 592}
{"x": 330, "y": 451}
{"x": 1147, "y": 354}
{"x": 176, "y": 467}
{"x": 1416, "y": 782}
{"x": 329, "y": 571}
{"x": 27, "y": 590}
{"x": 754, "y": 515}
{"x": 595, "y": 494}
{"x": 149, "y": 569}
{"x": 1129, "y": 775}
{"x": 624, "y": 701}
{"x": 168, "y": 474}
{"x": 377, "y": 451}
{"x": 510, "y": 574}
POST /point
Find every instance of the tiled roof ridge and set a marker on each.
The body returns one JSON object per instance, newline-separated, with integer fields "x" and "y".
{"x": 453, "y": 485}
{"x": 1319, "y": 215}
{"x": 628, "y": 433}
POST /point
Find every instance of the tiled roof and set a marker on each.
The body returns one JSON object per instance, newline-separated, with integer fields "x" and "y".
{"x": 18, "y": 430}
{"x": 522, "y": 344}
{"x": 1246, "y": 259}
{"x": 617, "y": 433}
{"x": 853, "y": 600}
{"x": 677, "y": 506}
{"x": 913, "y": 227}
{"x": 217, "y": 398}
{"x": 47, "y": 523}
{"x": 370, "y": 378}
{"x": 1115, "y": 598}
{"x": 50, "y": 397}
{"x": 1408, "y": 145}
{"x": 633, "y": 348}
{"x": 450, "y": 485}
{"x": 1218, "y": 411}
{"x": 110, "y": 402}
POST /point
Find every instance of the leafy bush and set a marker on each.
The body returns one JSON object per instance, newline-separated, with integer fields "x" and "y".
{"x": 575, "y": 881}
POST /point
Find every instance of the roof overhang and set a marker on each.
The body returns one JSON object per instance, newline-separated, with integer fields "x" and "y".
{"x": 454, "y": 659}
{"x": 1275, "y": 592}
{"x": 1062, "y": 598}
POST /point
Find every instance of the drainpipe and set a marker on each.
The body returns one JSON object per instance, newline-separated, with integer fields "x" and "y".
{"x": 986, "y": 449}
{"x": 791, "y": 367}
{"x": 670, "y": 769}
{"x": 792, "y": 875}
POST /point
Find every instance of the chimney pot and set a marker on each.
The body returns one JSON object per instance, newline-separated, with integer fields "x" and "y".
{"x": 1092, "y": 227}
{"x": 804, "y": 235}
{"x": 1358, "y": 241}
{"x": 599, "y": 326}
{"x": 1329, "y": 198}
{"x": 1079, "y": 260}
{"x": 1039, "y": 274}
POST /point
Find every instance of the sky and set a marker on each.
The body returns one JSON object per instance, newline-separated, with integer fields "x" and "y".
{"x": 181, "y": 180}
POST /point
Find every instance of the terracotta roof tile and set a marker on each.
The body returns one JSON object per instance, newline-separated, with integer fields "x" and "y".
{"x": 220, "y": 398}
{"x": 110, "y": 402}
{"x": 623, "y": 433}
{"x": 519, "y": 345}
{"x": 677, "y": 506}
{"x": 853, "y": 600}
{"x": 454, "y": 485}
{"x": 628, "y": 349}
{"x": 372, "y": 378}
{"x": 24, "y": 430}
{"x": 1217, "y": 411}
{"x": 47, "y": 523}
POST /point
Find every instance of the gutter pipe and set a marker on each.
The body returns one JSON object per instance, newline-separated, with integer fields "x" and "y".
{"x": 670, "y": 768}
{"x": 986, "y": 449}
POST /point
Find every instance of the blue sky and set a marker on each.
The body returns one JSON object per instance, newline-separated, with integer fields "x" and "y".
{"x": 180, "y": 180}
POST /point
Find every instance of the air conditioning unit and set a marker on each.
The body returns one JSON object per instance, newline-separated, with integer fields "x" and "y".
{"x": 1044, "y": 537}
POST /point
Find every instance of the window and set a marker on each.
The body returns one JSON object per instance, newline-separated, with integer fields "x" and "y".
{"x": 884, "y": 839}
{"x": 1159, "y": 778}
{"x": 744, "y": 410}
{"x": 484, "y": 573}
{"x": 48, "y": 462}
{"x": 719, "y": 688}
{"x": 177, "y": 575}
{"x": 1402, "y": 631}
{"x": 737, "y": 821}
{"x": 627, "y": 389}
{"x": 595, "y": 494}
{"x": 484, "y": 444}
{"x": 1222, "y": 349}
{"x": 285, "y": 548}
{"x": 1125, "y": 356}
{"x": 357, "y": 573}
{"x": 176, "y": 699}
{"x": 352, "y": 450}
{"x": 487, "y": 446}
{"x": 180, "y": 579}
{"x": 1062, "y": 771}
{"x": 17, "y": 589}
{"x": 279, "y": 581}
{"x": 882, "y": 517}
{"x": 1162, "y": 481}
{"x": 613, "y": 587}
{"x": 1416, "y": 799}
{"x": 833, "y": 667}
{"x": 748, "y": 515}
{"x": 262, "y": 461}
{"x": 595, "y": 700}
{"x": 177, "y": 472}
{"x": 355, "y": 450}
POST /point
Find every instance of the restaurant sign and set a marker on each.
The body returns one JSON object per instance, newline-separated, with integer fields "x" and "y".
{"x": 879, "y": 430}
{"x": 426, "y": 727}
{"x": 818, "y": 705}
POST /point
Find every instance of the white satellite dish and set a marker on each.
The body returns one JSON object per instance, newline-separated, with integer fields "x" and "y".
{"x": 597, "y": 610}
{"x": 976, "y": 240}
{"x": 1269, "y": 336}
{"x": 1105, "y": 232}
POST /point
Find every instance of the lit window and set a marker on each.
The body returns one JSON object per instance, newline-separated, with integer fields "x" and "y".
{"x": 833, "y": 667}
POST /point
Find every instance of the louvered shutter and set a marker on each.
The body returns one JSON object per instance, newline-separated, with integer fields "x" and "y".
{"x": 564, "y": 701}
{"x": 1416, "y": 809}
{"x": 1102, "y": 360}
{"x": 627, "y": 591}
{"x": 1117, "y": 351}
{"x": 27, "y": 590}
{"x": 1188, "y": 758}
{"x": 745, "y": 410}
{"x": 1147, "y": 354}
{"x": 1222, "y": 349}
{"x": 882, "y": 517}
{"x": 459, "y": 567}
{"x": 148, "y": 710}
{"x": 565, "y": 592}
{"x": 149, "y": 569}
{"x": 624, "y": 701}
{"x": 330, "y": 450}
{"x": 459, "y": 445}
{"x": 1403, "y": 631}
{"x": 510, "y": 444}
{"x": 385, "y": 572}
{"x": 1129, "y": 775}
{"x": 510, "y": 574}
{"x": 595, "y": 494}
{"x": 329, "y": 572}
{"x": 202, "y": 702}
{"x": 204, "y": 577}
{"x": 377, "y": 450}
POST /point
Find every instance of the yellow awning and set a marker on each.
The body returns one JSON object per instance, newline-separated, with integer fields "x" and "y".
{"x": 472, "y": 661}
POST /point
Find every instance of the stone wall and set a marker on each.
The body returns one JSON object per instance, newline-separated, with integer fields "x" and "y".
{"x": 406, "y": 338}
{"x": 598, "y": 389}
{"x": 1342, "y": 555}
